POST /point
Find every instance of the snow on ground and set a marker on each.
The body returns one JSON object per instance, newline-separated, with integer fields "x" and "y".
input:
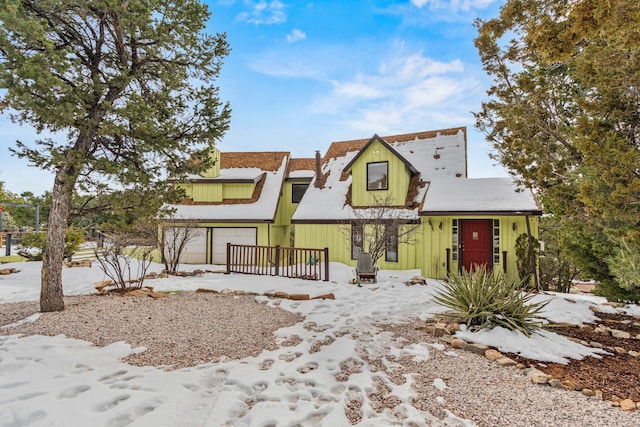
{"x": 65, "y": 382}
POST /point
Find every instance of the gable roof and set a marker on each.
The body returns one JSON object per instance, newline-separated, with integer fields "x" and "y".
{"x": 266, "y": 169}
{"x": 433, "y": 154}
{"x": 385, "y": 144}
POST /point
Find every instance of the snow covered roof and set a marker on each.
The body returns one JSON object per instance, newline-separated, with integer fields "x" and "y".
{"x": 433, "y": 154}
{"x": 302, "y": 168}
{"x": 477, "y": 195}
{"x": 261, "y": 207}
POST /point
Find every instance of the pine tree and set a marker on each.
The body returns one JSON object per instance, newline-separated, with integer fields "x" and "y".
{"x": 128, "y": 84}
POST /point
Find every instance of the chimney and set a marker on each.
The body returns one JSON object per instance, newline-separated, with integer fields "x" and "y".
{"x": 319, "y": 178}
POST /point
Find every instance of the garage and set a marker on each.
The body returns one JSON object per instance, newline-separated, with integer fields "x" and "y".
{"x": 195, "y": 251}
{"x": 237, "y": 236}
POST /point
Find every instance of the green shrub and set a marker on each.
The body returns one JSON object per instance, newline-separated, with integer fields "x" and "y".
{"x": 487, "y": 300}
{"x": 32, "y": 245}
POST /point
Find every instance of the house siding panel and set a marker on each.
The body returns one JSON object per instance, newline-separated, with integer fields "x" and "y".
{"x": 398, "y": 178}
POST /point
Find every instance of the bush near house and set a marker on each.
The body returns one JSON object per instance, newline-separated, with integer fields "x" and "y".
{"x": 32, "y": 245}
{"x": 487, "y": 300}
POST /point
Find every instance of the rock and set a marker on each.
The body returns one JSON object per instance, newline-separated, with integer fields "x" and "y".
{"x": 100, "y": 285}
{"x": 628, "y": 405}
{"x": 556, "y": 383}
{"x": 440, "y": 329}
{"x": 7, "y": 271}
{"x": 239, "y": 292}
{"x": 537, "y": 377}
{"x": 588, "y": 392}
{"x": 453, "y": 327}
{"x": 615, "y": 400}
{"x": 226, "y": 291}
{"x": 476, "y": 348}
{"x": 78, "y": 263}
{"x": 447, "y": 339}
{"x": 505, "y": 361}
{"x": 416, "y": 280}
{"x": 325, "y": 296}
{"x": 634, "y": 354}
{"x": 599, "y": 395}
{"x": 299, "y": 297}
{"x": 492, "y": 354}
{"x": 620, "y": 350}
{"x": 135, "y": 293}
{"x": 520, "y": 366}
{"x": 280, "y": 294}
{"x": 595, "y": 344}
{"x": 620, "y": 334}
{"x": 458, "y": 343}
{"x": 211, "y": 291}
{"x": 568, "y": 385}
{"x": 157, "y": 295}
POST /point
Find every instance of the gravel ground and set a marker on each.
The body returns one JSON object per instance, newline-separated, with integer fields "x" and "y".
{"x": 191, "y": 328}
{"x": 182, "y": 330}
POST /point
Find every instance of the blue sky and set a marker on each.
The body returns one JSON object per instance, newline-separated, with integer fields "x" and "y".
{"x": 302, "y": 74}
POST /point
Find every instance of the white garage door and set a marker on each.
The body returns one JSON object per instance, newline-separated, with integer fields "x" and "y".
{"x": 237, "y": 236}
{"x": 195, "y": 251}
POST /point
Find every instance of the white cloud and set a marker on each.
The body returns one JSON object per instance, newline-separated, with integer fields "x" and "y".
{"x": 264, "y": 12}
{"x": 453, "y": 5}
{"x": 405, "y": 92}
{"x": 296, "y": 35}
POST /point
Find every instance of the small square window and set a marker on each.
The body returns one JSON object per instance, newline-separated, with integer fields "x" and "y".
{"x": 377, "y": 176}
{"x": 297, "y": 191}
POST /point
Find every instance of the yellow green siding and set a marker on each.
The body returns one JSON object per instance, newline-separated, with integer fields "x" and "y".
{"x": 438, "y": 240}
{"x": 237, "y": 191}
{"x": 398, "y": 178}
{"x": 429, "y": 253}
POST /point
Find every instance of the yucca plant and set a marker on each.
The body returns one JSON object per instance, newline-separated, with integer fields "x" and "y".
{"x": 487, "y": 300}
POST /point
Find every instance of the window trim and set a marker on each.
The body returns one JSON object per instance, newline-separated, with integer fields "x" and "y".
{"x": 386, "y": 163}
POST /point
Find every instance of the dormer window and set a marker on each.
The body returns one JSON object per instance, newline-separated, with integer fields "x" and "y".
{"x": 377, "y": 176}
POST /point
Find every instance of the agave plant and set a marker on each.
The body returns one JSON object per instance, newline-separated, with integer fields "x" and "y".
{"x": 487, "y": 300}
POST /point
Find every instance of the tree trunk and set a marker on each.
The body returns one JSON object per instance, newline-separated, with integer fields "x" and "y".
{"x": 51, "y": 296}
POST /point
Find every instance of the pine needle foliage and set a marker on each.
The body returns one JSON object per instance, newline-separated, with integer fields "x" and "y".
{"x": 487, "y": 300}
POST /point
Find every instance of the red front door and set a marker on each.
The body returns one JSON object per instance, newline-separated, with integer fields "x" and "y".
{"x": 476, "y": 243}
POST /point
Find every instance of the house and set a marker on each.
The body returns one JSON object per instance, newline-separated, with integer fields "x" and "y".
{"x": 414, "y": 187}
{"x": 245, "y": 198}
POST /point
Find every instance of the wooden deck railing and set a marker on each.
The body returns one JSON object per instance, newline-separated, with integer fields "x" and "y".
{"x": 303, "y": 263}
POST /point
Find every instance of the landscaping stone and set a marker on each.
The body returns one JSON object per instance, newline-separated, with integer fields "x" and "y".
{"x": 281, "y": 294}
{"x": 599, "y": 395}
{"x": 620, "y": 350}
{"x": 556, "y": 383}
{"x": 211, "y": 291}
{"x": 620, "y": 334}
{"x": 325, "y": 296}
{"x": 440, "y": 329}
{"x": 239, "y": 292}
{"x": 492, "y": 354}
{"x": 476, "y": 348}
{"x": 505, "y": 361}
{"x": 588, "y": 392}
{"x": 537, "y": 377}
{"x": 568, "y": 385}
{"x": 7, "y": 271}
{"x": 458, "y": 343}
{"x": 628, "y": 405}
{"x": 226, "y": 291}
{"x": 299, "y": 297}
